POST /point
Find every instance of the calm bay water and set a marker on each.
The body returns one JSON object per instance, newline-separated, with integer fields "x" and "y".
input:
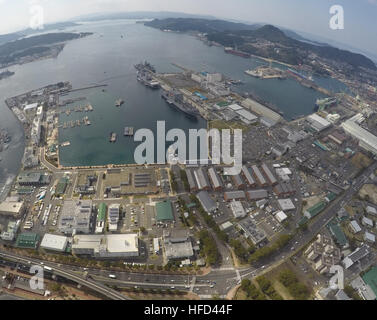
{"x": 107, "y": 58}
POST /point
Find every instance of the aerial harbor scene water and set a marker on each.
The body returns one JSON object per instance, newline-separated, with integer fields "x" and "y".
{"x": 107, "y": 58}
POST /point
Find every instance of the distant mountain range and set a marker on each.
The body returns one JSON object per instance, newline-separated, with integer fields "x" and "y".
{"x": 138, "y": 15}
{"x": 288, "y": 46}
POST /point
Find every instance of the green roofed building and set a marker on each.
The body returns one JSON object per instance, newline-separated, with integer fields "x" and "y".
{"x": 191, "y": 205}
{"x": 338, "y": 234}
{"x": 315, "y": 210}
{"x": 370, "y": 278}
{"x": 222, "y": 104}
{"x": 27, "y": 240}
{"x": 331, "y": 196}
{"x": 101, "y": 215}
{"x": 101, "y": 218}
{"x": 302, "y": 221}
{"x": 61, "y": 186}
{"x": 164, "y": 211}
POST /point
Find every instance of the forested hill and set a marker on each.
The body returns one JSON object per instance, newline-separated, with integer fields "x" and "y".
{"x": 266, "y": 41}
{"x": 36, "y": 45}
{"x": 200, "y": 25}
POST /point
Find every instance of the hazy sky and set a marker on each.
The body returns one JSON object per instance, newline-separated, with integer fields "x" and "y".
{"x": 310, "y": 16}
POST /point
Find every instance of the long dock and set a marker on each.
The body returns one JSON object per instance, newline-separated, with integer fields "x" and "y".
{"x": 89, "y": 87}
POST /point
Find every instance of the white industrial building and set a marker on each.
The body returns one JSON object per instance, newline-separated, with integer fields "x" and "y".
{"x": 280, "y": 216}
{"x": 355, "y": 228}
{"x": 36, "y": 131}
{"x": 369, "y": 237}
{"x": 54, "y": 242}
{"x": 106, "y": 246}
{"x": 371, "y": 210}
{"x": 235, "y": 107}
{"x": 367, "y": 222}
{"x": 286, "y": 204}
{"x": 237, "y": 209}
{"x": 198, "y": 77}
{"x": 12, "y": 208}
{"x": 283, "y": 173}
{"x": 39, "y": 113}
{"x": 30, "y": 107}
{"x": 261, "y": 110}
{"x": 367, "y": 140}
{"x": 246, "y": 116}
{"x": 318, "y": 123}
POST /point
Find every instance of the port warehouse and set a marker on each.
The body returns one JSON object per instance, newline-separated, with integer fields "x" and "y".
{"x": 271, "y": 116}
{"x": 201, "y": 179}
{"x": 367, "y": 140}
{"x": 249, "y": 177}
{"x": 318, "y": 123}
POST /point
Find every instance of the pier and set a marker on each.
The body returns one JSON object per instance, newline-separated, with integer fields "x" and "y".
{"x": 89, "y": 87}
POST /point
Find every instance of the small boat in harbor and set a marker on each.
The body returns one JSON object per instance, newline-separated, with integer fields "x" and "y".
{"x": 119, "y": 102}
{"x": 113, "y": 137}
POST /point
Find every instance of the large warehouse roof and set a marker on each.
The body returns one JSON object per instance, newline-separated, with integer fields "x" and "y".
{"x": 246, "y": 114}
{"x": 164, "y": 211}
{"x": 367, "y": 140}
{"x": 286, "y": 204}
{"x": 13, "y": 208}
{"x": 318, "y": 123}
{"x": 261, "y": 110}
{"x": 237, "y": 209}
{"x": 54, "y": 242}
{"x": 104, "y": 245}
{"x": 206, "y": 201}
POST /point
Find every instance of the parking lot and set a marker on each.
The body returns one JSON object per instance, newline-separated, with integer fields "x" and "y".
{"x": 138, "y": 216}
